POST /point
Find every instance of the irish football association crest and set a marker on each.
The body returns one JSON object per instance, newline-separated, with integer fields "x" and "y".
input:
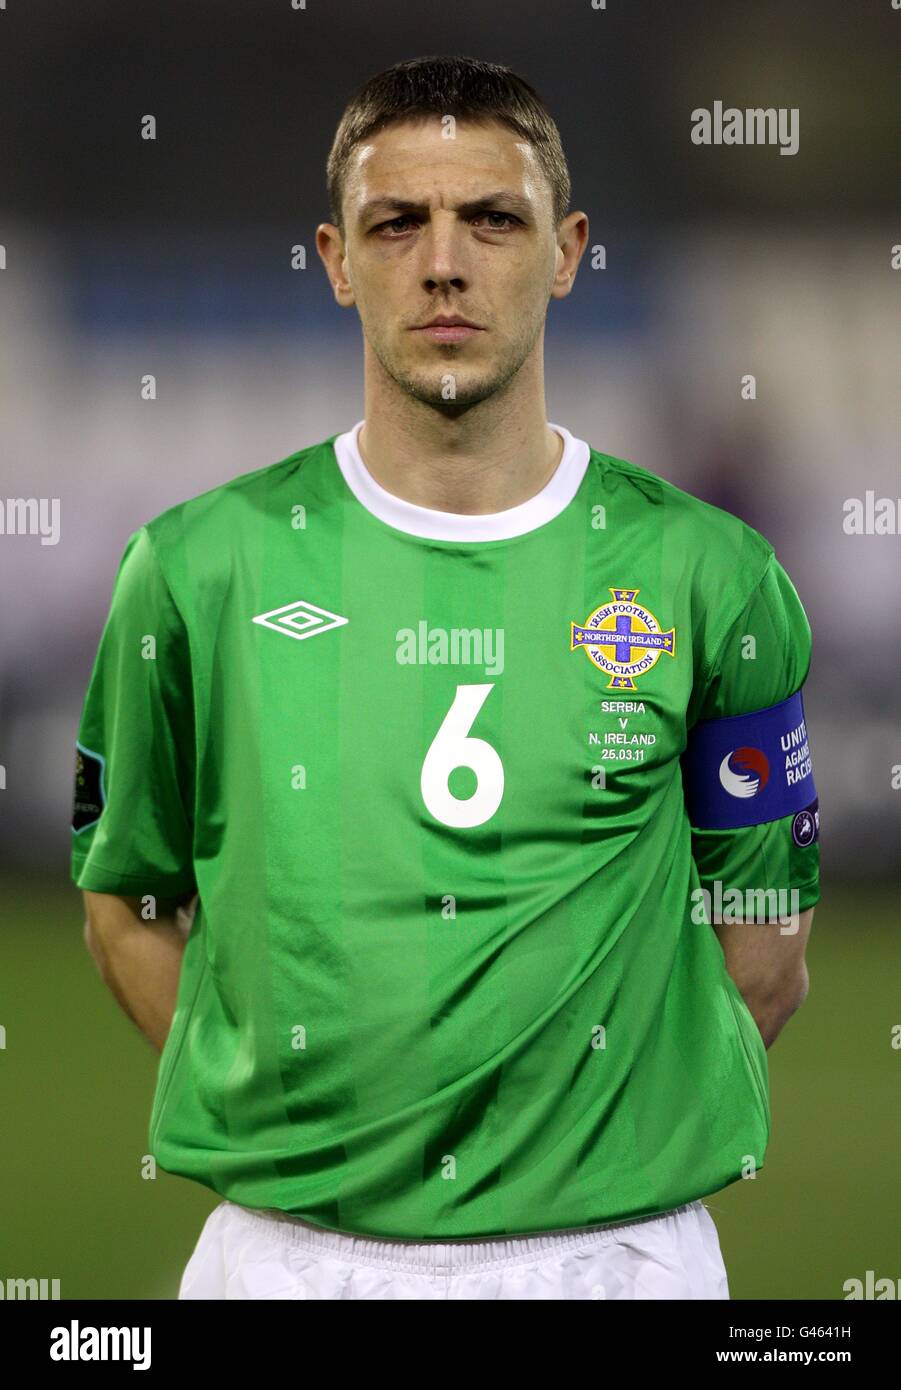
{"x": 623, "y": 639}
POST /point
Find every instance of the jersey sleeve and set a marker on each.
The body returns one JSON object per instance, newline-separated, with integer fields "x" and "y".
{"x": 747, "y": 768}
{"x": 132, "y": 822}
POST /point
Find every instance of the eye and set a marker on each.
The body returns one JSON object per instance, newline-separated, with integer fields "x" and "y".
{"x": 506, "y": 216}
{"x": 385, "y": 226}
{"x": 399, "y": 224}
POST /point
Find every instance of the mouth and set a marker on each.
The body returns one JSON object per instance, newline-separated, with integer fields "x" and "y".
{"x": 448, "y": 329}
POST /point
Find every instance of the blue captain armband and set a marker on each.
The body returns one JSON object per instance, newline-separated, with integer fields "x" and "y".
{"x": 749, "y": 769}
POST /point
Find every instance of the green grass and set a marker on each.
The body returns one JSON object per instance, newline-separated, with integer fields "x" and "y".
{"x": 76, "y": 1085}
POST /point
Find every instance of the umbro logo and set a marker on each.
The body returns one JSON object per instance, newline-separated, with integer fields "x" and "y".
{"x": 300, "y": 619}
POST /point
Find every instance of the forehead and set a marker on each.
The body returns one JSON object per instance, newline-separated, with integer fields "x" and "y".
{"x": 430, "y": 154}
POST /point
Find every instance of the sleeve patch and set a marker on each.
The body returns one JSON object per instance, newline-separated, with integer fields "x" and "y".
{"x": 749, "y": 769}
{"x": 806, "y": 825}
{"x": 90, "y": 796}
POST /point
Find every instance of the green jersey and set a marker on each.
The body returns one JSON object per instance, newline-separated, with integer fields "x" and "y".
{"x": 452, "y": 972}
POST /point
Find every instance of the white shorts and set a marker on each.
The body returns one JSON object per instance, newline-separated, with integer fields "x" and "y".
{"x": 244, "y": 1253}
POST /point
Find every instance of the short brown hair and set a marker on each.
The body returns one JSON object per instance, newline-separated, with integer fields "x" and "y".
{"x": 465, "y": 88}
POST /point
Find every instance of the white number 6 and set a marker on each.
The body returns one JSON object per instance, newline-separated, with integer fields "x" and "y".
{"x": 452, "y": 747}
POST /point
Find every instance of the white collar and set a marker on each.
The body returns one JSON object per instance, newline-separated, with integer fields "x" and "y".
{"x": 556, "y": 494}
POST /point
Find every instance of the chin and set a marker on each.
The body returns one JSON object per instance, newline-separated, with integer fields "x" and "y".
{"x": 431, "y": 388}
{"x": 431, "y": 395}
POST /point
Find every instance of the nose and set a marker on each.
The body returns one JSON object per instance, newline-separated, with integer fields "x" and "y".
{"x": 443, "y": 253}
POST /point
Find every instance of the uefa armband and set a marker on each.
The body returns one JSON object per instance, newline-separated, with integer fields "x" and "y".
{"x": 748, "y": 769}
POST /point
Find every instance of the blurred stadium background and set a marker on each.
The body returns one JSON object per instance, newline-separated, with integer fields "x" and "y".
{"x": 126, "y": 257}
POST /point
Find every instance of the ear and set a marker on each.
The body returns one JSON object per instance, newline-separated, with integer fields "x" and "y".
{"x": 333, "y": 254}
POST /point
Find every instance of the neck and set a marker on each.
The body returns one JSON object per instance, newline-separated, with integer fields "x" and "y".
{"x": 486, "y": 458}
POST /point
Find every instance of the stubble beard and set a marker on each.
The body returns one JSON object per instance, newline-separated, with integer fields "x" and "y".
{"x": 450, "y": 384}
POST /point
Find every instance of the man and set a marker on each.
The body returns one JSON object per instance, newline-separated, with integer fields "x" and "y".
{"x": 459, "y": 733}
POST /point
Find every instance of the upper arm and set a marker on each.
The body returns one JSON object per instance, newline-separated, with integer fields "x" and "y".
{"x": 748, "y": 779}
{"x": 108, "y": 919}
{"x": 767, "y": 958}
{"x": 132, "y": 826}
{"x": 109, "y": 916}
{"x": 103, "y": 908}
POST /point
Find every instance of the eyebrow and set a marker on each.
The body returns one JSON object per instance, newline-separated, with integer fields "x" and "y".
{"x": 504, "y": 200}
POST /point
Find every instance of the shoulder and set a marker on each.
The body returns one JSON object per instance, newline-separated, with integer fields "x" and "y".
{"x": 211, "y": 515}
{"x": 692, "y": 537}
